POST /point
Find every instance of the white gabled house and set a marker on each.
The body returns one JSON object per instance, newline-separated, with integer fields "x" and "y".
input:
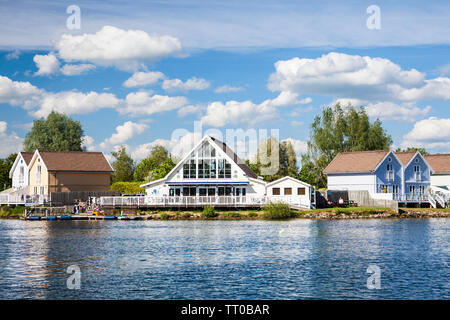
{"x": 287, "y": 187}
{"x": 19, "y": 173}
{"x": 210, "y": 169}
{"x": 213, "y": 172}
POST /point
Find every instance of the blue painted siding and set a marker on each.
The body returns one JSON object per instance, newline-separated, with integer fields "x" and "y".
{"x": 381, "y": 174}
{"x": 410, "y": 178}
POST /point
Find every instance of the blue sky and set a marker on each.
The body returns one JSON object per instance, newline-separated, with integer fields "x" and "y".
{"x": 259, "y": 65}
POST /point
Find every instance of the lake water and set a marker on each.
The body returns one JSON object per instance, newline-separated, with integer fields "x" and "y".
{"x": 299, "y": 259}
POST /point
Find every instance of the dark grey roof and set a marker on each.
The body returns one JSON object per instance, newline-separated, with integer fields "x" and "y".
{"x": 222, "y": 145}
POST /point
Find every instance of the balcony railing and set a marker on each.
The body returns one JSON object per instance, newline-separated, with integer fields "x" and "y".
{"x": 7, "y": 199}
{"x": 168, "y": 201}
{"x": 420, "y": 197}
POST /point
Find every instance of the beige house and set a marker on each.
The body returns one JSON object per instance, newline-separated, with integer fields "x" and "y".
{"x": 63, "y": 171}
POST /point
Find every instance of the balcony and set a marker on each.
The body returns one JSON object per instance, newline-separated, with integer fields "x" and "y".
{"x": 411, "y": 197}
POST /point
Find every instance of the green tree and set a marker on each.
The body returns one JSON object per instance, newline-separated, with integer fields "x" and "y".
{"x": 156, "y": 166}
{"x": 253, "y": 166}
{"x": 128, "y": 187}
{"x": 265, "y": 159}
{"x": 143, "y": 169}
{"x": 339, "y": 130}
{"x": 413, "y": 149}
{"x": 5, "y": 167}
{"x": 123, "y": 166}
{"x": 56, "y": 133}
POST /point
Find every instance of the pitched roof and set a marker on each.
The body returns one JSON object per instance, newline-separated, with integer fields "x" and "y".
{"x": 249, "y": 172}
{"x": 27, "y": 156}
{"x": 75, "y": 161}
{"x": 405, "y": 157}
{"x": 360, "y": 161}
{"x": 439, "y": 162}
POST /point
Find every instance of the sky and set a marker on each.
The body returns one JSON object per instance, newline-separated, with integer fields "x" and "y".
{"x": 167, "y": 72}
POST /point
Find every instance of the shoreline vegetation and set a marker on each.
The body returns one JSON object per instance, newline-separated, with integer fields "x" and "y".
{"x": 270, "y": 212}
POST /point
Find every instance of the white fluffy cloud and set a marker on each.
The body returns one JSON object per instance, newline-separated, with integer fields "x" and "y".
{"x": 49, "y": 64}
{"x": 219, "y": 114}
{"x": 143, "y": 79}
{"x": 194, "y": 83}
{"x": 177, "y": 146}
{"x": 247, "y": 113}
{"x": 388, "y": 91}
{"x": 76, "y": 69}
{"x": 227, "y": 88}
{"x": 3, "y": 127}
{"x": 46, "y": 64}
{"x": 299, "y": 146}
{"x": 142, "y": 103}
{"x": 187, "y": 110}
{"x": 9, "y": 143}
{"x": 392, "y": 111}
{"x": 74, "y": 102}
{"x": 17, "y": 92}
{"x": 111, "y": 46}
{"x": 88, "y": 143}
{"x": 429, "y": 133}
{"x": 342, "y": 75}
{"x": 124, "y": 133}
{"x": 438, "y": 88}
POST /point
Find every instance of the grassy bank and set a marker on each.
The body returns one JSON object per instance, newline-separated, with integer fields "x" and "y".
{"x": 11, "y": 212}
{"x": 270, "y": 212}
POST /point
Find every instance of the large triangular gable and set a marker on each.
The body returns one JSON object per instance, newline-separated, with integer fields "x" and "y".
{"x": 35, "y": 156}
{"x": 20, "y": 155}
{"x": 424, "y": 160}
{"x": 392, "y": 153}
{"x": 216, "y": 147}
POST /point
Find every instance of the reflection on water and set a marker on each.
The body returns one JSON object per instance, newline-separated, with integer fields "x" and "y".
{"x": 225, "y": 259}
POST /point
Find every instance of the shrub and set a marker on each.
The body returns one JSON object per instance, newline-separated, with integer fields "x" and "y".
{"x": 278, "y": 211}
{"x": 117, "y": 211}
{"x": 6, "y": 211}
{"x": 128, "y": 187}
{"x": 209, "y": 212}
{"x": 186, "y": 215}
{"x": 164, "y": 216}
{"x": 231, "y": 215}
{"x": 252, "y": 214}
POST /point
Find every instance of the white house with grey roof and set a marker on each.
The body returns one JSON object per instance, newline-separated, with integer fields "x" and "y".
{"x": 211, "y": 172}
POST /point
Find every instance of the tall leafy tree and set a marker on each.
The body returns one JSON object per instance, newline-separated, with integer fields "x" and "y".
{"x": 156, "y": 166}
{"x": 123, "y": 166}
{"x": 266, "y": 159}
{"x": 5, "y": 167}
{"x": 56, "y": 133}
{"x": 337, "y": 130}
